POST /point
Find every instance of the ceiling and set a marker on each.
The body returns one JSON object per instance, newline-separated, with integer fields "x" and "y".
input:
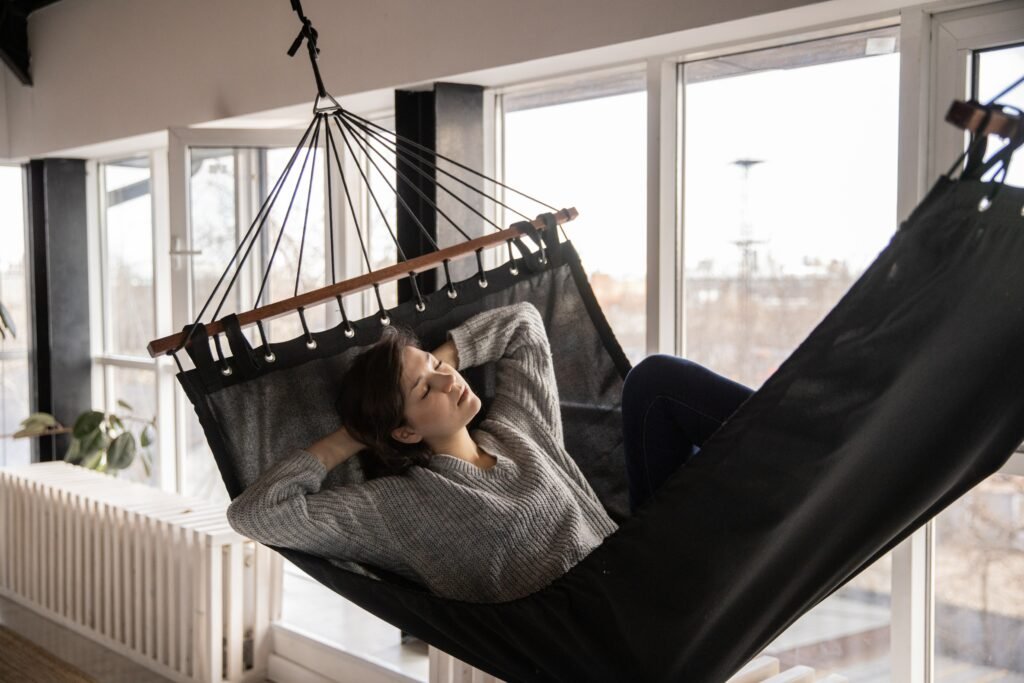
{"x": 14, "y": 34}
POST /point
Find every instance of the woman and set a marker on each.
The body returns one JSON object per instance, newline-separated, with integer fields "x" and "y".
{"x": 483, "y": 516}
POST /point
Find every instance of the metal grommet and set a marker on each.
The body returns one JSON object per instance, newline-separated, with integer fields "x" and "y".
{"x": 226, "y": 370}
{"x": 514, "y": 270}
{"x": 482, "y": 282}
{"x": 349, "y": 332}
{"x": 420, "y": 306}
{"x": 385, "y": 319}
{"x": 311, "y": 344}
{"x": 452, "y": 294}
{"x": 270, "y": 357}
{"x": 984, "y": 204}
{"x": 543, "y": 260}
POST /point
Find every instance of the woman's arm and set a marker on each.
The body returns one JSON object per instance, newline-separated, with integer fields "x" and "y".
{"x": 335, "y": 448}
{"x": 287, "y": 507}
{"x": 448, "y": 353}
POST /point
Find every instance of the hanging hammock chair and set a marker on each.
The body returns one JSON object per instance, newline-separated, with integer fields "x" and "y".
{"x": 905, "y": 396}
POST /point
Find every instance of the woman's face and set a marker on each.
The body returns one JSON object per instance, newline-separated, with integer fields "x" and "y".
{"x": 435, "y": 404}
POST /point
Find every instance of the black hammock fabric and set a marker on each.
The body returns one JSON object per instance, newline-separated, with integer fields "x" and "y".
{"x": 903, "y": 398}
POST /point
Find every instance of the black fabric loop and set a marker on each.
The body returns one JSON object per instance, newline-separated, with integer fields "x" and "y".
{"x": 528, "y": 228}
{"x": 246, "y": 359}
{"x": 976, "y": 150}
{"x": 198, "y": 350}
{"x": 551, "y": 235}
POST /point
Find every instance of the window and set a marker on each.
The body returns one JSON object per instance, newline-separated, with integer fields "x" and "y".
{"x": 15, "y": 403}
{"x": 584, "y": 144}
{"x": 994, "y": 70}
{"x": 128, "y": 299}
{"x": 781, "y": 216}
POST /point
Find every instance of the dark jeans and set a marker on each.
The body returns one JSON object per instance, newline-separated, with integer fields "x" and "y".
{"x": 670, "y": 406}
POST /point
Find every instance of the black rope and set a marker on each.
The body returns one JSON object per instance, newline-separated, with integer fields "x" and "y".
{"x": 392, "y": 147}
{"x": 310, "y": 35}
{"x": 264, "y": 211}
{"x": 417, "y": 145}
{"x": 284, "y": 221}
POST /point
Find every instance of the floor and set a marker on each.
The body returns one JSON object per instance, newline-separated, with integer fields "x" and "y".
{"x": 92, "y": 658}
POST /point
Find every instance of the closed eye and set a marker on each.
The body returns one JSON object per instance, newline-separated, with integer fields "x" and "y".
{"x": 439, "y": 363}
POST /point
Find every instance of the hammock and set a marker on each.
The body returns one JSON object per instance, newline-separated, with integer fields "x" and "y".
{"x": 904, "y": 397}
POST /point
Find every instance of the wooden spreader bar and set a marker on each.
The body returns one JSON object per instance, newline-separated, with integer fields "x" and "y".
{"x": 169, "y": 344}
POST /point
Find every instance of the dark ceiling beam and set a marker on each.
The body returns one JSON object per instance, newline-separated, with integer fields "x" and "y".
{"x": 14, "y": 35}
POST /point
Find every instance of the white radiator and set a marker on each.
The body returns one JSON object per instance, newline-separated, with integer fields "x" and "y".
{"x": 160, "y": 578}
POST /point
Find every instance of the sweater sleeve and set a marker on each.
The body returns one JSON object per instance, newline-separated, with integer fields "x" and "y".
{"x": 286, "y": 507}
{"x": 515, "y": 339}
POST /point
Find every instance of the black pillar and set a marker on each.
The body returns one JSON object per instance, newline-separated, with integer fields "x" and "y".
{"x": 61, "y": 368}
{"x": 448, "y": 119}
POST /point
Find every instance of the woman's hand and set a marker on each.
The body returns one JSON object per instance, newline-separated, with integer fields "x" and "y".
{"x": 336, "y": 448}
{"x": 448, "y": 353}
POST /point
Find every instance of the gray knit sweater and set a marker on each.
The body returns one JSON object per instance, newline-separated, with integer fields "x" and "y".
{"x": 465, "y": 533}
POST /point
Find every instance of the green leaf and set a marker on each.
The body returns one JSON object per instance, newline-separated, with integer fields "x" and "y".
{"x": 147, "y": 463}
{"x": 93, "y": 442}
{"x": 74, "y": 454}
{"x": 7, "y": 321}
{"x": 124, "y": 404}
{"x": 115, "y": 420}
{"x": 121, "y": 452}
{"x": 92, "y": 461}
{"x": 87, "y": 423}
{"x": 145, "y": 438}
{"x": 43, "y": 419}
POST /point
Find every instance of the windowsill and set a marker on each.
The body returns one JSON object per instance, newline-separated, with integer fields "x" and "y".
{"x": 313, "y": 610}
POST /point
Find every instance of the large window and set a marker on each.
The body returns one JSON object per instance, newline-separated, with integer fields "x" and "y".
{"x": 15, "y": 403}
{"x": 979, "y": 546}
{"x": 128, "y": 299}
{"x": 584, "y": 144}
{"x": 781, "y": 215}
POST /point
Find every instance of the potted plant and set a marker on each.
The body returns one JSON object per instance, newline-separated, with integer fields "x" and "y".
{"x": 99, "y": 440}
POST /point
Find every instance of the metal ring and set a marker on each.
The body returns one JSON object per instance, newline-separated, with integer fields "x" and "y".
{"x": 452, "y": 294}
{"x": 226, "y": 370}
{"x": 482, "y": 282}
{"x": 420, "y": 306}
{"x": 349, "y": 332}
{"x": 385, "y": 319}
{"x": 984, "y": 204}
{"x": 311, "y": 344}
{"x": 514, "y": 270}
{"x": 543, "y": 260}
{"x": 270, "y": 357}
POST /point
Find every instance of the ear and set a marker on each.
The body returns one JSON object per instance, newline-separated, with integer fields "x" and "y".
{"x": 406, "y": 435}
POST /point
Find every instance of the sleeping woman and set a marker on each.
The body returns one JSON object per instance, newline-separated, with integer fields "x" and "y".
{"x": 487, "y": 515}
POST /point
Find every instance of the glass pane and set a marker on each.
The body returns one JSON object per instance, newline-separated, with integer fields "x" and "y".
{"x": 14, "y": 407}
{"x": 781, "y": 215}
{"x": 129, "y": 257}
{"x": 14, "y": 345}
{"x": 997, "y": 69}
{"x": 589, "y": 150}
{"x": 380, "y": 243}
{"x": 13, "y": 257}
{"x": 213, "y": 220}
{"x": 291, "y": 244}
{"x": 979, "y": 584}
{"x": 137, "y": 388}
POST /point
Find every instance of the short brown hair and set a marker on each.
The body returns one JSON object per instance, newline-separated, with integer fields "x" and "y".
{"x": 371, "y": 404}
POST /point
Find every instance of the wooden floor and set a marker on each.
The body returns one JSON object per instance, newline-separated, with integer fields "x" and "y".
{"x": 92, "y": 658}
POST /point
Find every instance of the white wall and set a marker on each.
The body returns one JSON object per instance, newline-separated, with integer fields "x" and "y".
{"x": 108, "y": 69}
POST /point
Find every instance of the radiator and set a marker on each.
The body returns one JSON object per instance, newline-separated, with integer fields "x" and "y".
{"x": 159, "y": 578}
